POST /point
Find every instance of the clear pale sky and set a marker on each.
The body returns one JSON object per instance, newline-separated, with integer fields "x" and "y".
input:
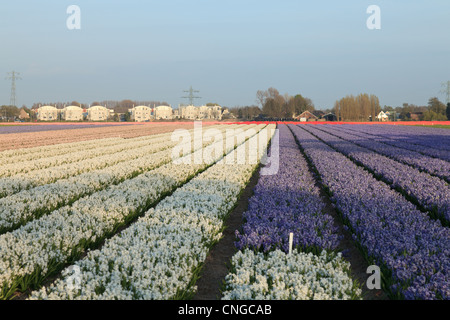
{"x": 229, "y": 49}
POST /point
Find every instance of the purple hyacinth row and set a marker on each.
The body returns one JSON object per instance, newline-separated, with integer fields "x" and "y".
{"x": 287, "y": 202}
{"x": 390, "y": 136}
{"x": 430, "y": 137}
{"x": 412, "y": 250}
{"x": 433, "y": 166}
{"x": 432, "y": 193}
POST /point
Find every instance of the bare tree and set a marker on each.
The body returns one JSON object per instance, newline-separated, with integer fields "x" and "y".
{"x": 261, "y": 97}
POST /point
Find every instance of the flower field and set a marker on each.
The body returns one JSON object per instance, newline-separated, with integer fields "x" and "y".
{"x": 99, "y": 214}
{"x": 17, "y": 137}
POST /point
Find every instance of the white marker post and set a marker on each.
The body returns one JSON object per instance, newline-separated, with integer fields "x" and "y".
{"x": 291, "y": 241}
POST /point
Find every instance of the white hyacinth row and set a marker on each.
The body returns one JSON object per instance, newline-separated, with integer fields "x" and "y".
{"x": 74, "y": 155}
{"x": 158, "y": 256}
{"x": 46, "y": 151}
{"x": 27, "y": 204}
{"x": 296, "y": 276}
{"x": 25, "y": 154}
{"x": 43, "y": 245}
{"x": 134, "y": 150}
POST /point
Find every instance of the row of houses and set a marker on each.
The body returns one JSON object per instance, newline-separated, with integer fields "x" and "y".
{"x": 145, "y": 113}
{"x": 318, "y": 115}
{"x": 137, "y": 114}
{"x": 73, "y": 113}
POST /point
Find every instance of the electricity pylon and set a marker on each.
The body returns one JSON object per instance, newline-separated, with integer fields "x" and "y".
{"x": 191, "y": 95}
{"x": 13, "y": 76}
{"x": 446, "y": 90}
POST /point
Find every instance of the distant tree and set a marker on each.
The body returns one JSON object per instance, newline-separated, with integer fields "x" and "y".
{"x": 375, "y": 106}
{"x": 128, "y": 104}
{"x": 359, "y": 108}
{"x": 433, "y": 116}
{"x": 448, "y": 111}
{"x": 261, "y": 97}
{"x": 407, "y": 109}
{"x": 76, "y": 103}
{"x": 272, "y": 93}
{"x": 301, "y": 104}
{"x": 26, "y": 109}
{"x": 9, "y": 112}
{"x": 275, "y": 105}
{"x": 436, "y": 106}
{"x": 246, "y": 112}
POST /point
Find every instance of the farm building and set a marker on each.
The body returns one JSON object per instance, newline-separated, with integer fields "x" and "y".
{"x": 318, "y": 113}
{"x": 382, "y": 116}
{"x": 330, "y": 117}
{"x": 23, "y": 114}
{"x": 307, "y": 116}
{"x": 98, "y": 113}
{"x": 416, "y": 116}
{"x": 72, "y": 113}
{"x": 141, "y": 114}
{"x": 47, "y": 113}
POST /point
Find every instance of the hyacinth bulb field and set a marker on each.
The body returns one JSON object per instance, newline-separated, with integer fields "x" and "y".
{"x": 142, "y": 211}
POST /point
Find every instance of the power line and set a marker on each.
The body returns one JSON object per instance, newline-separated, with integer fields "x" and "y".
{"x": 191, "y": 95}
{"x": 13, "y": 76}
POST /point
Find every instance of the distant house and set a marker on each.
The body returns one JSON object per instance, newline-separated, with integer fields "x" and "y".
{"x": 383, "y": 116}
{"x": 329, "y": 117}
{"x": 23, "y": 114}
{"x": 416, "y": 116}
{"x": 393, "y": 115}
{"x": 318, "y": 113}
{"x": 163, "y": 112}
{"x": 47, "y": 113}
{"x": 306, "y": 116}
{"x": 98, "y": 113}
{"x": 72, "y": 113}
{"x": 141, "y": 114}
{"x": 188, "y": 112}
{"x": 200, "y": 112}
{"x": 176, "y": 114}
{"x": 226, "y": 114}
